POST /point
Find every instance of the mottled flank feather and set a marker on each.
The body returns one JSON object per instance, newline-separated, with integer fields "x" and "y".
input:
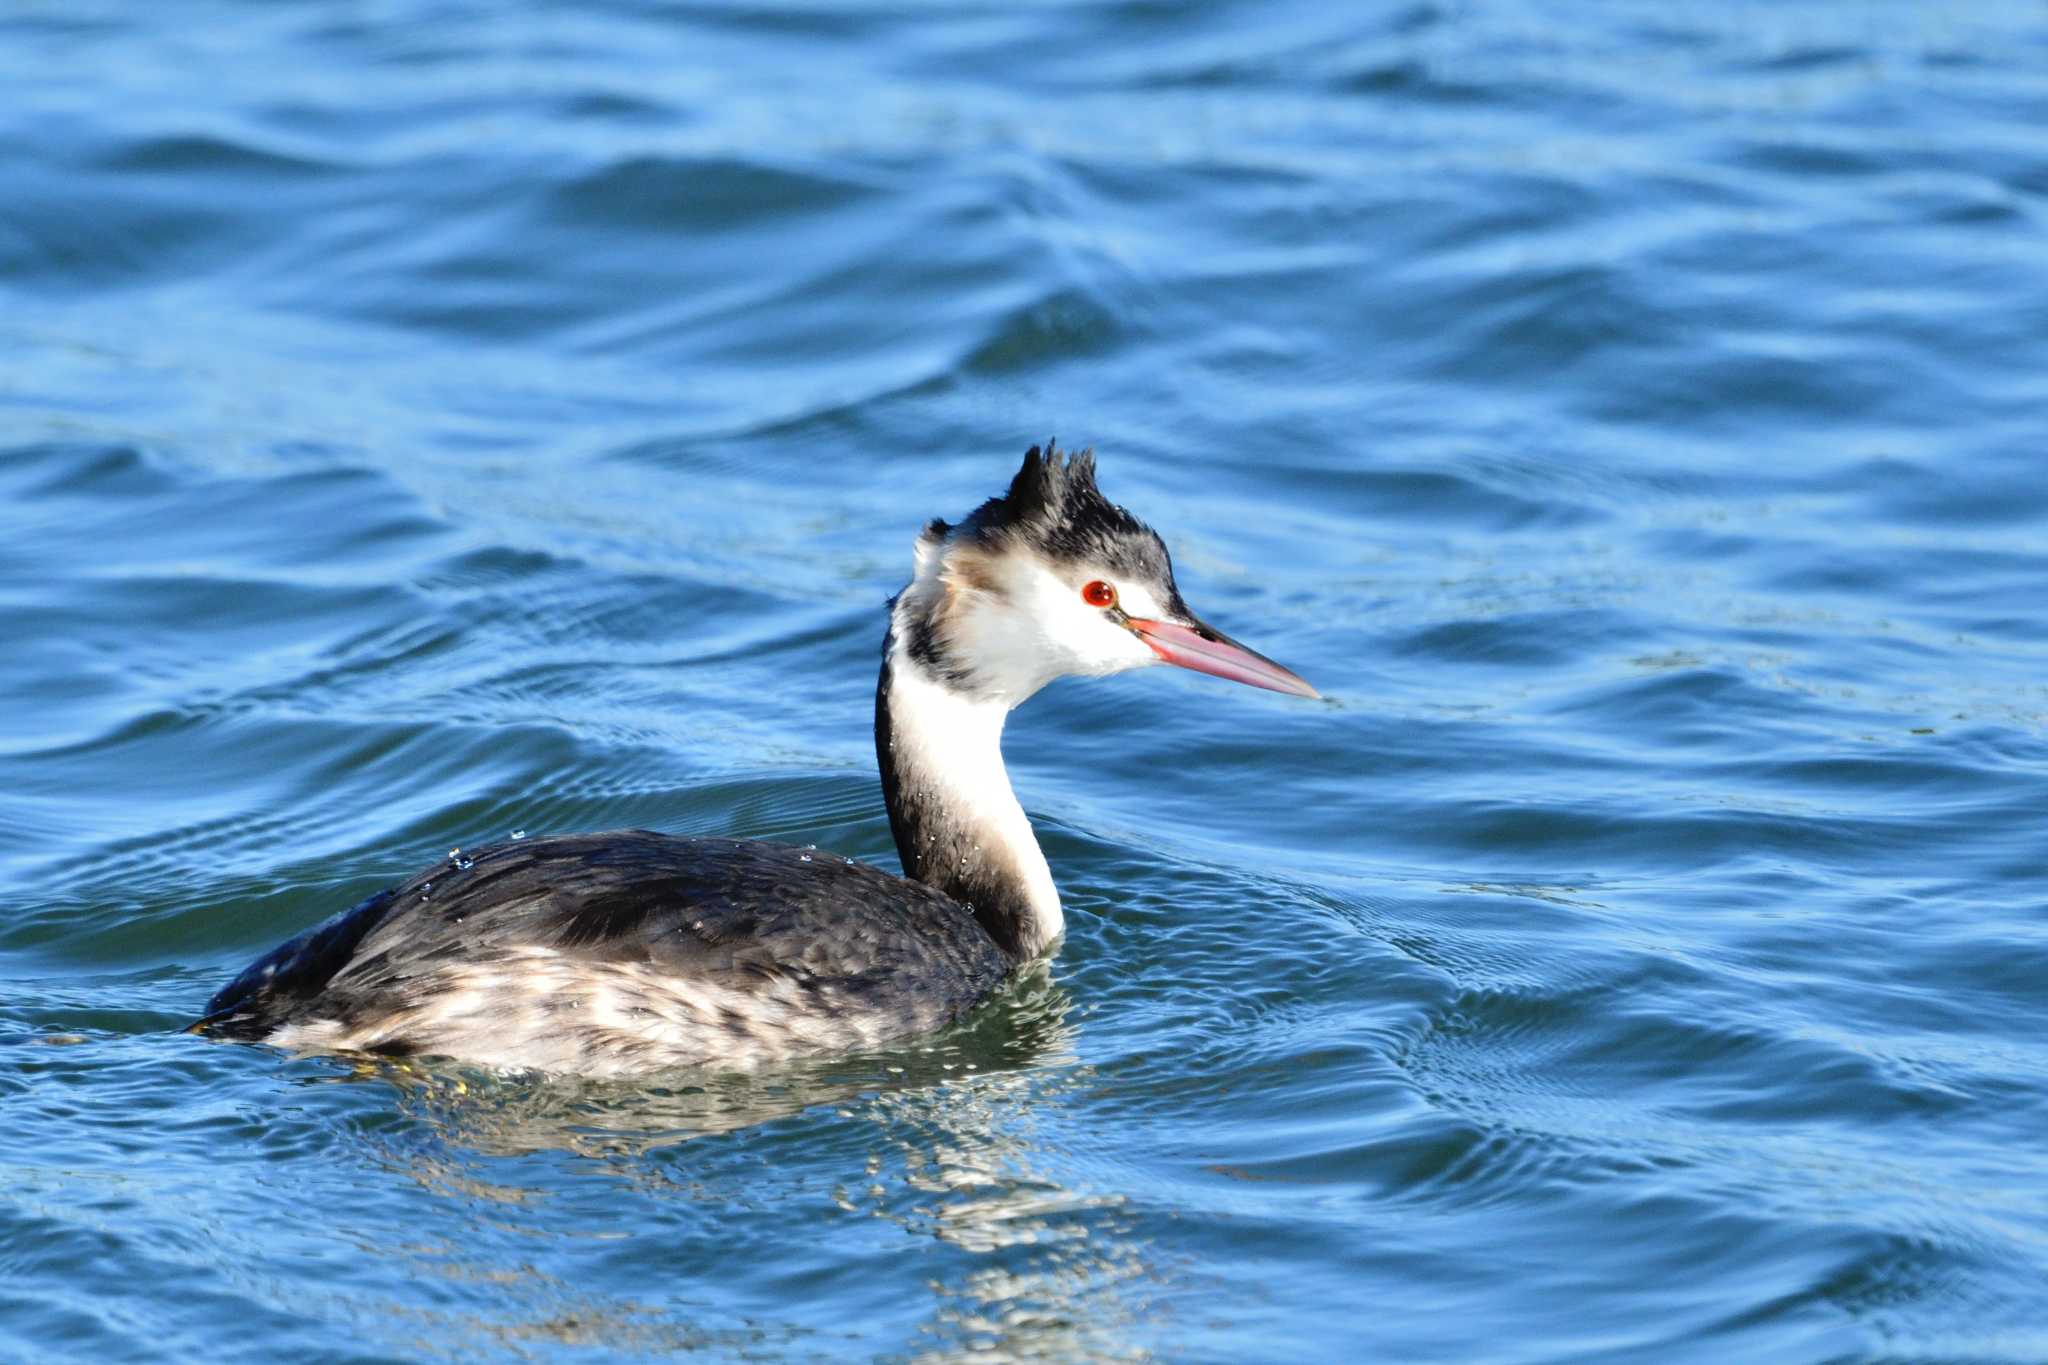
{"x": 622, "y": 953}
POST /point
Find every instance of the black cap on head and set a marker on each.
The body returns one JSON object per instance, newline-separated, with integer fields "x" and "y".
{"x": 1054, "y": 507}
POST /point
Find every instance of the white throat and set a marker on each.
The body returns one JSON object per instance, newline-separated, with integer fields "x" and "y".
{"x": 967, "y": 834}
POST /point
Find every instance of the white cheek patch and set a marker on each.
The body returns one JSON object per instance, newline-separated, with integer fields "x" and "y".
{"x": 1015, "y": 622}
{"x": 1137, "y": 600}
{"x": 1074, "y": 636}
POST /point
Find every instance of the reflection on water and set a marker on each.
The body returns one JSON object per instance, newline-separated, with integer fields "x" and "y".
{"x": 958, "y": 1141}
{"x": 1052, "y": 1271}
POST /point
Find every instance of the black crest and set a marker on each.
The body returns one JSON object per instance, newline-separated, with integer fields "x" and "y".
{"x": 1054, "y": 506}
{"x": 1050, "y": 483}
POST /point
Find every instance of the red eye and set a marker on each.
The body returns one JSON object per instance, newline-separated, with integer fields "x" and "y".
{"x": 1099, "y": 594}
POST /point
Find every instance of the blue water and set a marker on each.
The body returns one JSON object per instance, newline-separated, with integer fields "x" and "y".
{"x": 425, "y": 421}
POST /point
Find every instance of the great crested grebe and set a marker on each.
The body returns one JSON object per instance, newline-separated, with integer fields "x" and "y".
{"x": 632, "y": 951}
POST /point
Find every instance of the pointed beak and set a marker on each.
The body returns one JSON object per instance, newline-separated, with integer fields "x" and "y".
{"x": 1207, "y": 650}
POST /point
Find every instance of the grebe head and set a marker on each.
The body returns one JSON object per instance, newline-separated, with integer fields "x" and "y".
{"x": 1052, "y": 579}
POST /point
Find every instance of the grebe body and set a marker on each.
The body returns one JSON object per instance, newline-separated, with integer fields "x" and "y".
{"x": 623, "y": 952}
{"x": 631, "y": 952}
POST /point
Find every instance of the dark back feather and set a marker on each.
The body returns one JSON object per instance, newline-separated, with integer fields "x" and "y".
{"x": 731, "y": 911}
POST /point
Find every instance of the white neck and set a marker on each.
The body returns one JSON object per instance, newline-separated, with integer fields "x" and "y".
{"x": 957, "y": 823}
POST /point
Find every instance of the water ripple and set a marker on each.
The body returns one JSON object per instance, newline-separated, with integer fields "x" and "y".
{"x": 424, "y": 424}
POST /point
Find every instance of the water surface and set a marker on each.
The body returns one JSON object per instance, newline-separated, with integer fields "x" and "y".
{"x": 426, "y": 421}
